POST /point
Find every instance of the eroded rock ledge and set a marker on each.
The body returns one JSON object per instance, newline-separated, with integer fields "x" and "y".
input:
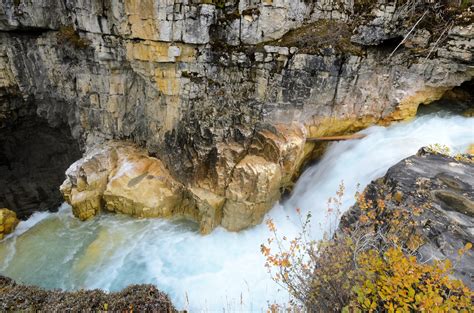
{"x": 242, "y": 186}
{"x": 441, "y": 189}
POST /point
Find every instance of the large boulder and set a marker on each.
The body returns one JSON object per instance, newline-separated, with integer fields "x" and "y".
{"x": 239, "y": 188}
{"x": 121, "y": 177}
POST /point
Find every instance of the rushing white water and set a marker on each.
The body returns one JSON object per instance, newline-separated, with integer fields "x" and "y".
{"x": 222, "y": 270}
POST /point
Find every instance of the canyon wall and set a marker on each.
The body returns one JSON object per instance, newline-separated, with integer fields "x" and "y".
{"x": 219, "y": 96}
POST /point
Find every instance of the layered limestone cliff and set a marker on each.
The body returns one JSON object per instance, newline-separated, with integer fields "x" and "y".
{"x": 223, "y": 94}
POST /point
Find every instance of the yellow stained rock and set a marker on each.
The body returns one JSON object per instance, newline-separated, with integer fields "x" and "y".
{"x": 8, "y": 222}
{"x": 160, "y": 52}
{"x": 409, "y": 105}
{"x": 86, "y": 181}
{"x": 122, "y": 178}
{"x": 236, "y": 194}
{"x": 141, "y": 19}
{"x": 209, "y": 206}
{"x": 284, "y": 146}
{"x": 469, "y": 112}
{"x": 253, "y": 189}
{"x": 141, "y": 186}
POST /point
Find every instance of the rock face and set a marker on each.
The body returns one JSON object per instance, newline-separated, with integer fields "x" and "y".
{"x": 198, "y": 84}
{"x": 121, "y": 177}
{"x": 8, "y": 222}
{"x": 442, "y": 189}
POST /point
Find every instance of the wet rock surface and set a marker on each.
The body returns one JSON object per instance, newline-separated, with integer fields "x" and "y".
{"x": 441, "y": 189}
{"x": 138, "y": 298}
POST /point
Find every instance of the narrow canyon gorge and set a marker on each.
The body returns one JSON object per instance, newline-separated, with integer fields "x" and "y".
{"x": 187, "y": 123}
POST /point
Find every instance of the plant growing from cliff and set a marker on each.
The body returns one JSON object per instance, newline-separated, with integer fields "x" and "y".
{"x": 446, "y": 151}
{"x": 315, "y": 37}
{"x": 364, "y": 6}
{"x": 369, "y": 268}
{"x": 218, "y": 3}
{"x": 67, "y": 34}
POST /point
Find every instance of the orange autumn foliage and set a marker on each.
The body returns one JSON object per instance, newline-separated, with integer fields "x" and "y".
{"x": 372, "y": 268}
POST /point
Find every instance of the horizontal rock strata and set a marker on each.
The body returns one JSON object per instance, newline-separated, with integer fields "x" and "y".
{"x": 198, "y": 83}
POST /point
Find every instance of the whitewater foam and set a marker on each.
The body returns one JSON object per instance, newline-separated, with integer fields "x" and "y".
{"x": 222, "y": 270}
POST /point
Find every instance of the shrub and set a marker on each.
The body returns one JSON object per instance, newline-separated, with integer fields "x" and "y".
{"x": 371, "y": 267}
{"x": 318, "y": 274}
{"x": 396, "y": 282}
{"x": 69, "y": 34}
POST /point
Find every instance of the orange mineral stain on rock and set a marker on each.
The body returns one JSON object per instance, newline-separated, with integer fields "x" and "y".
{"x": 408, "y": 106}
{"x": 141, "y": 19}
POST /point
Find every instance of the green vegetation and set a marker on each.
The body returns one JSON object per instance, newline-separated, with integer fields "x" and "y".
{"x": 218, "y": 3}
{"x": 69, "y": 34}
{"x": 316, "y": 37}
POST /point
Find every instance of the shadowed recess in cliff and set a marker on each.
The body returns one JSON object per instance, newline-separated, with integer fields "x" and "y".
{"x": 459, "y": 100}
{"x": 223, "y": 270}
{"x": 33, "y": 158}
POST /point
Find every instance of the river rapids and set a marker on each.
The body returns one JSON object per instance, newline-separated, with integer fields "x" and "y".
{"x": 224, "y": 270}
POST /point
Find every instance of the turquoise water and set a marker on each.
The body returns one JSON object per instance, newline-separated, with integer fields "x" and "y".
{"x": 223, "y": 270}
